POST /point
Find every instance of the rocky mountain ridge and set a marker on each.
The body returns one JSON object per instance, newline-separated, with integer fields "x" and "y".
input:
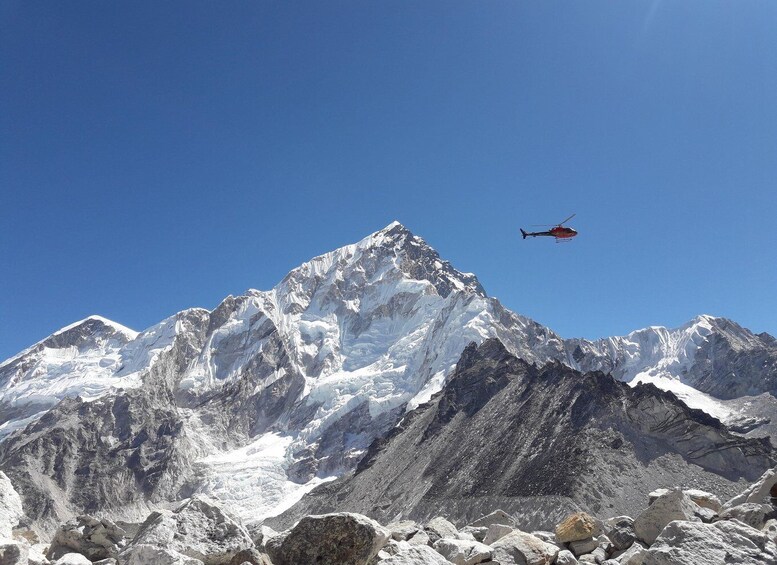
{"x": 544, "y": 440}
{"x": 268, "y": 395}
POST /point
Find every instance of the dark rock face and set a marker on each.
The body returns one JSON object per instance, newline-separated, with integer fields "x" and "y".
{"x": 735, "y": 362}
{"x": 538, "y": 443}
{"x": 334, "y": 539}
{"x": 98, "y": 455}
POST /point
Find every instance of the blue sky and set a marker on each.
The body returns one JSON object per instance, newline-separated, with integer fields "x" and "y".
{"x": 158, "y": 156}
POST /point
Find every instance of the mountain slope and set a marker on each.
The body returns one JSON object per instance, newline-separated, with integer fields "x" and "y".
{"x": 274, "y": 392}
{"x": 538, "y": 443}
{"x": 713, "y": 355}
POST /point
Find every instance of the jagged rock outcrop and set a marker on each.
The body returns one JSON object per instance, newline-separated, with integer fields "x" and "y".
{"x": 93, "y": 538}
{"x": 199, "y": 528}
{"x": 556, "y": 441}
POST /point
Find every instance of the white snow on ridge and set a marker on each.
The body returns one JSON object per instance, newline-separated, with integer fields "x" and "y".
{"x": 89, "y": 364}
{"x": 689, "y": 395}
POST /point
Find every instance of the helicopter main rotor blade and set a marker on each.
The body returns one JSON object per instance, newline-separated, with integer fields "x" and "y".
{"x": 569, "y": 218}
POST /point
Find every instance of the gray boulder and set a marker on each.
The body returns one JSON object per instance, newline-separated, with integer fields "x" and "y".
{"x": 92, "y": 538}
{"x": 199, "y": 528}
{"x": 420, "y": 538}
{"x": 73, "y": 559}
{"x": 759, "y": 492}
{"x": 621, "y": 532}
{"x": 583, "y": 546}
{"x": 13, "y": 553}
{"x": 10, "y": 507}
{"x": 770, "y": 529}
{"x": 145, "y": 554}
{"x": 704, "y": 499}
{"x": 674, "y": 505}
{"x": 330, "y": 539}
{"x": 463, "y": 552}
{"x": 417, "y": 555}
{"x": 496, "y": 532}
{"x": 251, "y": 556}
{"x": 659, "y": 492}
{"x": 565, "y": 557}
{"x": 403, "y": 530}
{"x": 519, "y": 548}
{"x": 751, "y": 513}
{"x": 477, "y": 532}
{"x": 693, "y": 543}
{"x": 631, "y": 556}
{"x": 439, "y": 528}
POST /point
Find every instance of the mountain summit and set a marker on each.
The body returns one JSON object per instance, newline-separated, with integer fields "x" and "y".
{"x": 274, "y": 392}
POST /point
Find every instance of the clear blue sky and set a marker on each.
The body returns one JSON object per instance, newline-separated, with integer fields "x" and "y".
{"x": 156, "y": 156}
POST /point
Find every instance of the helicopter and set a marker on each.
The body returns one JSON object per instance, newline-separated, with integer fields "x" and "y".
{"x": 559, "y": 231}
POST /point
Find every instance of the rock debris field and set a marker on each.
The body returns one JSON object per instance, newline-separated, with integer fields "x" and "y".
{"x": 689, "y": 527}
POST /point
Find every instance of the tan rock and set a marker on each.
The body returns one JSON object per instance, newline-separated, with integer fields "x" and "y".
{"x": 575, "y": 527}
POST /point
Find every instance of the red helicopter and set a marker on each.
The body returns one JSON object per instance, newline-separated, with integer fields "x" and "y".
{"x": 558, "y": 231}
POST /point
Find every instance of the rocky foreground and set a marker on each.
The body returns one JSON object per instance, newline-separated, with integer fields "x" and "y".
{"x": 688, "y": 527}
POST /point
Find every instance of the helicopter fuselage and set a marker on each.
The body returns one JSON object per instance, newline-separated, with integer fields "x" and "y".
{"x": 559, "y": 232}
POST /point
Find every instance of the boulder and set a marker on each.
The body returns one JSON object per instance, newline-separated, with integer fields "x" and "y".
{"x": 439, "y": 528}
{"x": 108, "y": 561}
{"x": 704, "y": 499}
{"x": 94, "y": 538}
{"x": 583, "y": 546}
{"x": 496, "y": 532}
{"x": 330, "y": 539}
{"x": 403, "y": 530}
{"x": 13, "y": 552}
{"x": 477, "y": 532}
{"x": 251, "y": 556}
{"x": 621, "y": 532}
{"x": 519, "y": 548}
{"x": 707, "y": 515}
{"x": 36, "y": 555}
{"x": 599, "y": 554}
{"x": 694, "y": 543}
{"x": 199, "y": 528}
{"x": 565, "y": 557}
{"x": 751, "y": 513}
{"x": 496, "y": 517}
{"x": 674, "y": 505}
{"x": 632, "y": 555}
{"x": 759, "y": 492}
{"x": 10, "y": 507}
{"x": 462, "y": 552}
{"x": 73, "y": 559}
{"x": 659, "y": 492}
{"x": 420, "y": 538}
{"x": 770, "y": 529}
{"x": 145, "y": 554}
{"x": 416, "y": 555}
{"x": 577, "y": 526}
